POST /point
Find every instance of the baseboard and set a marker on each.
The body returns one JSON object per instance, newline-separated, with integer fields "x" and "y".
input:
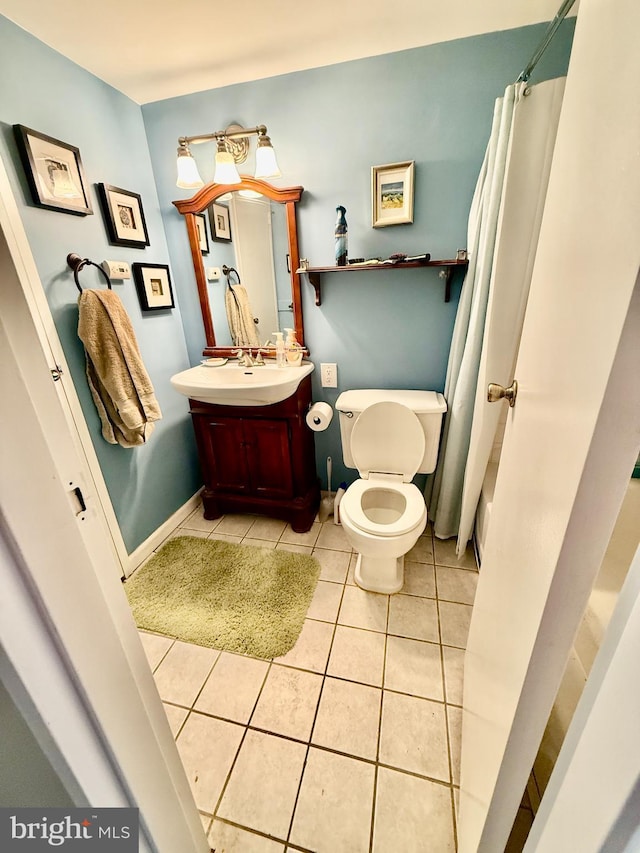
{"x": 158, "y": 536}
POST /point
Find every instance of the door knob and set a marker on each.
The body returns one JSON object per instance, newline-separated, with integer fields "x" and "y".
{"x": 497, "y": 392}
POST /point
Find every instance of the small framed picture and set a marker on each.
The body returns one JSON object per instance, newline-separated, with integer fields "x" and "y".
{"x": 201, "y": 225}
{"x": 219, "y": 222}
{"x": 123, "y": 216}
{"x": 54, "y": 172}
{"x": 392, "y": 194}
{"x": 153, "y": 284}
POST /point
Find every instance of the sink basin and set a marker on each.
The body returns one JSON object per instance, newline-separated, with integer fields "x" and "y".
{"x": 231, "y": 385}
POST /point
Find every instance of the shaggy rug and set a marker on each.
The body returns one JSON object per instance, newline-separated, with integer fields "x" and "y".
{"x": 232, "y": 597}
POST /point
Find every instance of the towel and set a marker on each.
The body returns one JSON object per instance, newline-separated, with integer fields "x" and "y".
{"x": 240, "y": 318}
{"x": 119, "y": 383}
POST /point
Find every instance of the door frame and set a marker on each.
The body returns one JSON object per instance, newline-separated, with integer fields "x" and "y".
{"x": 70, "y": 653}
{"x": 49, "y": 341}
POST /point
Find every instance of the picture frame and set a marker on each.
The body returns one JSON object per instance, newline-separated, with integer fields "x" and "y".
{"x": 219, "y": 223}
{"x": 201, "y": 225}
{"x": 392, "y": 194}
{"x": 153, "y": 283}
{"x": 54, "y": 172}
{"x": 123, "y": 216}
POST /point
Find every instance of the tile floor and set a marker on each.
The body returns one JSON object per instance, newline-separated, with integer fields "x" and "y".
{"x": 350, "y": 742}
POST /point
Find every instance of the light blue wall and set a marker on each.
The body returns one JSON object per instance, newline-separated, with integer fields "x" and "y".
{"x": 329, "y": 126}
{"x": 41, "y": 89}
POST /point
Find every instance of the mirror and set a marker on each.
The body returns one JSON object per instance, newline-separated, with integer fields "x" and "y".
{"x": 263, "y": 249}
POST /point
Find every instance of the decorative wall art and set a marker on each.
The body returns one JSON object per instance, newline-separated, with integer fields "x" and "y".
{"x": 392, "y": 194}
{"x": 219, "y": 222}
{"x": 54, "y": 172}
{"x": 201, "y": 225}
{"x": 123, "y": 216}
{"x": 153, "y": 284}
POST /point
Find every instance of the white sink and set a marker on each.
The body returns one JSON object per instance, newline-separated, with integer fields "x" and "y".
{"x": 231, "y": 385}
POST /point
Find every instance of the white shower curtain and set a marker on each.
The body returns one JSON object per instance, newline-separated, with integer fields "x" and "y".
{"x": 502, "y": 237}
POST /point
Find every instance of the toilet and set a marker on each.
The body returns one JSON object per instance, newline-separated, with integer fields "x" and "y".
{"x": 389, "y": 436}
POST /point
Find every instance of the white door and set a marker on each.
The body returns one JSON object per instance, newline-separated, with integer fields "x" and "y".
{"x": 573, "y": 435}
{"x": 251, "y": 219}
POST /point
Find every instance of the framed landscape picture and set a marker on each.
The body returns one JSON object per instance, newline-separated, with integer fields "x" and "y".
{"x": 54, "y": 172}
{"x": 392, "y": 194}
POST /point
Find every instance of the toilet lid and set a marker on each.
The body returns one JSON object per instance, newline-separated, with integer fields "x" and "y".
{"x": 388, "y": 438}
{"x": 414, "y": 513}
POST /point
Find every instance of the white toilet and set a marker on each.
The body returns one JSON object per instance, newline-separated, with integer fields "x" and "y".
{"x": 389, "y": 436}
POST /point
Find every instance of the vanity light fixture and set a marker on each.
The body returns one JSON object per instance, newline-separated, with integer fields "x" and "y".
{"x": 232, "y": 148}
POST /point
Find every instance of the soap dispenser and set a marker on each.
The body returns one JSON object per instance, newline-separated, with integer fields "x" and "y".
{"x": 281, "y": 357}
{"x": 293, "y": 349}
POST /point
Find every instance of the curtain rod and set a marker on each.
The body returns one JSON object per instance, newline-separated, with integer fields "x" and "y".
{"x": 544, "y": 44}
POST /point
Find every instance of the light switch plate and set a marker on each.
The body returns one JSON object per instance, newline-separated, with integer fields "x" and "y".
{"x": 213, "y": 273}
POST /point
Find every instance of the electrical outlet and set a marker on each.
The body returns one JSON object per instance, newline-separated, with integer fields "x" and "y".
{"x": 329, "y": 375}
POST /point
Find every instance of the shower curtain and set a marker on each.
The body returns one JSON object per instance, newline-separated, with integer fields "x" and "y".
{"x": 504, "y": 223}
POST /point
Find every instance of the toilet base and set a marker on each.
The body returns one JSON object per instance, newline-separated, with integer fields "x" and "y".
{"x": 380, "y": 574}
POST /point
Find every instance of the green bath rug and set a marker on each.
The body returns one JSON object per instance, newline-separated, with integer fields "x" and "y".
{"x": 232, "y": 597}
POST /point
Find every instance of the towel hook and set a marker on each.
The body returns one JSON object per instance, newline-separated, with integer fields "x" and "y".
{"x": 77, "y": 263}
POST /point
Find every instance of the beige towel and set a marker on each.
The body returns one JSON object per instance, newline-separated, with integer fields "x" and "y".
{"x": 240, "y": 318}
{"x": 119, "y": 383}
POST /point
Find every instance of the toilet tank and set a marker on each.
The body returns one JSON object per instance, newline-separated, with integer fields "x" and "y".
{"x": 429, "y": 406}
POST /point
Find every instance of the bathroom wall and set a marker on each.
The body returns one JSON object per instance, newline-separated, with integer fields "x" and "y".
{"x": 329, "y": 126}
{"x": 42, "y": 90}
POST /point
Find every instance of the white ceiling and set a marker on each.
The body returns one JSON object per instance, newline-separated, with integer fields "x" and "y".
{"x": 154, "y": 50}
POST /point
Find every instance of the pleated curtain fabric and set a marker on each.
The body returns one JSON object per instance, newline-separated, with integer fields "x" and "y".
{"x": 502, "y": 235}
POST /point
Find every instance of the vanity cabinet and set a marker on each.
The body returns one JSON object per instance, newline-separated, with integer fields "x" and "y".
{"x": 259, "y": 459}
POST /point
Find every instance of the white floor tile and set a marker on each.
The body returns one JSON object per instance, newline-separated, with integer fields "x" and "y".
{"x": 226, "y": 537}
{"x": 456, "y": 584}
{"x": 288, "y": 701}
{"x": 333, "y": 814}
{"x": 413, "y": 666}
{"x": 454, "y": 623}
{"x": 197, "y": 521}
{"x": 176, "y": 717}
{"x": 412, "y": 815}
{"x": 348, "y": 718}
{"x": 183, "y": 672}
{"x": 357, "y": 656}
{"x": 453, "y": 674}
{"x": 262, "y": 790}
{"x": 413, "y": 736}
{"x": 361, "y": 609}
{"x": 259, "y": 543}
{"x": 334, "y": 565}
{"x": 311, "y": 650}
{"x": 267, "y": 528}
{"x": 416, "y": 618}
{"x": 235, "y": 525}
{"x": 155, "y": 647}
{"x": 419, "y": 579}
{"x": 454, "y": 721}
{"x": 445, "y": 554}
{"x": 308, "y": 538}
{"x": 422, "y": 551}
{"x": 225, "y": 838}
{"x": 207, "y": 748}
{"x": 332, "y": 536}
{"x": 325, "y": 602}
{"x": 232, "y": 688}
{"x": 296, "y": 549}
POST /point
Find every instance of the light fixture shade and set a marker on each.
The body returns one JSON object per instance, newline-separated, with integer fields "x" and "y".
{"x": 226, "y": 172}
{"x": 188, "y": 175}
{"x": 266, "y": 163}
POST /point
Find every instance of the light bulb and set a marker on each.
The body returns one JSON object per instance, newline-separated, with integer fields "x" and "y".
{"x": 188, "y": 175}
{"x": 266, "y": 163}
{"x": 226, "y": 172}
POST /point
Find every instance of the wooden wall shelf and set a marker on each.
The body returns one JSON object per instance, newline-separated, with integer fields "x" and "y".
{"x": 314, "y": 274}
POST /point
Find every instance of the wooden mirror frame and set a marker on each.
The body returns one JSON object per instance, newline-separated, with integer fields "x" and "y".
{"x": 198, "y": 204}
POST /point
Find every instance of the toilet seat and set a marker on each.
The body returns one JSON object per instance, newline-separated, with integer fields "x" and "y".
{"x": 414, "y": 511}
{"x": 388, "y": 439}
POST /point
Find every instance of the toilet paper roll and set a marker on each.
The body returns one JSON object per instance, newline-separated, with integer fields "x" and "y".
{"x": 319, "y": 416}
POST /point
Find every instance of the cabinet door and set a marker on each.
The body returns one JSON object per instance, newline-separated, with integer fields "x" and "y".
{"x": 269, "y": 458}
{"x": 224, "y": 446}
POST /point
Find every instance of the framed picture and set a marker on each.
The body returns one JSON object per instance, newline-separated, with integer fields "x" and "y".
{"x": 153, "y": 284}
{"x": 201, "y": 225}
{"x": 123, "y": 216}
{"x": 392, "y": 194}
{"x": 219, "y": 222}
{"x": 54, "y": 172}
